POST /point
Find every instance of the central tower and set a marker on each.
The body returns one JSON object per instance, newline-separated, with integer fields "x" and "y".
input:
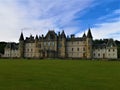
{"x": 89, "y": 44}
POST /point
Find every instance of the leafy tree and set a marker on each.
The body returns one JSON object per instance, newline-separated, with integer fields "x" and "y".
{"x": 2, "y": 46}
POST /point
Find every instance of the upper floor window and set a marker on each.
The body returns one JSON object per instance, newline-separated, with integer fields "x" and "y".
{"x": 59, "y": 45}
{"x": 113, "y": 50}
{"x": 48, "y": 43}
{"x": 89, "y": 48}
{"x": 52, "y": 43}
{"x": 72, "y": 49}
{"x": 72, "y": 42}
{"x": 83, "y": 49}
{"x": 111, "y": 46}
{"x": 98, "y": 49}
{"x": 99, "y": 54}
{"x": 39, "y": 45}
{"x": 44, "y": 43}
{"x": 77, "y": 49}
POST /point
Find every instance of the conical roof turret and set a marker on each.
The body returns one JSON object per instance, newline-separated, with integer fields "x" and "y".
{"x": 84, "y": 35}
{"x": 89, "y": 35}
{"x": 63, "y": 34}
{"x": 21, "y": 37}
{"x": 36, "y": 37}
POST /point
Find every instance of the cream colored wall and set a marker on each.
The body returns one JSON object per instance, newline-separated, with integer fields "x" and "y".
{"x": 29, "y": 50}
{"x": 49, "y": 45}
{"x": 98, "y": 53}
{"x": 11, "y": 53}
{"x": 112, "y": 54}
{"x": 75, "y": 45}
{"x": 7, "y": 53}
{"x": 14, "y": 53}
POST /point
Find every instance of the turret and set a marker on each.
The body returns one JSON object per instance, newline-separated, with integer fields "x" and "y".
{"x": 21, "y": 46}
{"x": 21, "y": 37}
{"x": 63, "y": 34}
{"x": 36, "y": 38}
{"x": 62, "y": 45}
{"x": 84, "y": 36}
{"x": 89, "y": 39}
{"x": 37, "y": 46}
{"x": 89, "y": 35}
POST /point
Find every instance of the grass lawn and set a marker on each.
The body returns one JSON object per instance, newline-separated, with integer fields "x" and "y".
{"x": 59, "y": 75}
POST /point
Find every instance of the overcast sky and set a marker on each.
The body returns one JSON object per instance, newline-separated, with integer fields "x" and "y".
{"x": 73, "y": 16}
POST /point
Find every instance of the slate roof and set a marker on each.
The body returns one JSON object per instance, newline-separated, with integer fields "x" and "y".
{"x": 111, "y": 43}
{"x": 13, "y": 46}
{"x": 84, "y": 35}
{"x": 30, "y": 39}
{"x": 75, "y": 39}
{"x": 51, "y": 35}
{"x": 63, "y": 34}
{"x": 21, "y": 37}
{"x": 106, "y": 43}
{"x": 89, "y": 35}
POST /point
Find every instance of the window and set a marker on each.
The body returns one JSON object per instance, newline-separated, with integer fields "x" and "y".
{"x": 72, "y": 54}
{"x": 72, "y": 42}
{"x": 45, "y": 43}
{"x": 111, "y": 45}
{"x": 83, "y": 49}
{"x": 98, "y": 54}
{"x": 113, "y": 50}
{"x": 52, "y": 43}
{"x": 72, "y": 49}
{"x": 77, "y": 49}
{"x": 59, "y": 45}
{"x": 89, "y": 48}
{"x": 98, "y": 49}
{"x": 109, "y": 50}
{"x": 39, "y": 45}
{"x": 84, "y": 55}
{"x": 48, "y": 43}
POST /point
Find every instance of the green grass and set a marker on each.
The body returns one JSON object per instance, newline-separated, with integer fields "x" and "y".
{"x": 59, "y": 75}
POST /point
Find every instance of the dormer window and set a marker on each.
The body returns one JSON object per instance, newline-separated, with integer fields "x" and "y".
{"x": 48, "y": 43}
{"x": 111, "y": 46}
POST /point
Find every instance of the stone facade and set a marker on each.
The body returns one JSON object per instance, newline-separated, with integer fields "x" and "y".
{"x": 108, "y": 50}
{"x": 11, "y": 50}
{"x": 54, "y": 45}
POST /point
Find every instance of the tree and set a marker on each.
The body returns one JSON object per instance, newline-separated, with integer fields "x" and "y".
{"x": 2, "y": 46}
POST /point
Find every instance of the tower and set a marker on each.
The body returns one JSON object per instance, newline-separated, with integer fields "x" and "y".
{"x": 89, "y": 39}
{"x": 62, "y": 45}
{"x": 84, "y": 46}
{"x": 21, "y": 46}
{"x": 37, "y": 46}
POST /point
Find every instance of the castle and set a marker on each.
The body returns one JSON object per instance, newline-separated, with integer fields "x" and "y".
{"x": 54, "y": 45}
